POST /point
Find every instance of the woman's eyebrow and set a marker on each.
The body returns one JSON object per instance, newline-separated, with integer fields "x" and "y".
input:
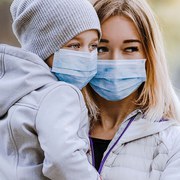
{"x": 104, "y": 41}
{"x": 132, "y": 40}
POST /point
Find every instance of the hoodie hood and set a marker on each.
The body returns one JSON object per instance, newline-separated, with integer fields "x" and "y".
{"x": 21, "y": 72}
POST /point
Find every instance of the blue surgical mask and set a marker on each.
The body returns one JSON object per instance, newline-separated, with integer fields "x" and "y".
{"x": 75, "y": 67}
{"x": 117, "y": 79}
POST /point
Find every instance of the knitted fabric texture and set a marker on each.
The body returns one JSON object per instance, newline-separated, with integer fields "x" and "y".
{"x": 44, "y": 26}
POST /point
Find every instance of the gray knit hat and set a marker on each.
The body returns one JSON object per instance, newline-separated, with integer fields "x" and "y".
{"x": 43, "y": 26}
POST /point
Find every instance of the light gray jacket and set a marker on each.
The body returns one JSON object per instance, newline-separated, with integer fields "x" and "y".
{"x": 142, "y": 150}
{"x": 43, "y": 122}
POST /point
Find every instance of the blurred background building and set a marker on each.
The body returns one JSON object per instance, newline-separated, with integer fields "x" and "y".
{"x": 168, "y": 16}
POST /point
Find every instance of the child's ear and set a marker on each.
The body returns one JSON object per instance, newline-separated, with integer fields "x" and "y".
{"x": 49, "y": 60}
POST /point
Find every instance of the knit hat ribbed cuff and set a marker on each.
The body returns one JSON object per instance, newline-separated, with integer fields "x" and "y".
{"x": 44, "y": 26}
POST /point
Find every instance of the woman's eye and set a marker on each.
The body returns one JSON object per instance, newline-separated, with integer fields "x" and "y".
{"x": 131, "y": 49}
{"x": 102, "y": 49}
{"x": 74, "y": 46}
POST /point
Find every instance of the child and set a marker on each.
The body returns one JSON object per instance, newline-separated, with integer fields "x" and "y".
{"x": 43, "y": 121}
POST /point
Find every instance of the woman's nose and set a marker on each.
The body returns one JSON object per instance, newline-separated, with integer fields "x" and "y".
{"x": 116, "y": 55}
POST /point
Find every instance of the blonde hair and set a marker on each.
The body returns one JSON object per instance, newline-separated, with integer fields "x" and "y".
{"x": 157, "y": 98}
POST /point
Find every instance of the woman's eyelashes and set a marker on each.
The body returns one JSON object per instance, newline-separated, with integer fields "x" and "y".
{"x": 131, "y": 49}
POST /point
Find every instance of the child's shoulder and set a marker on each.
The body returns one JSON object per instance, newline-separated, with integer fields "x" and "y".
{"x": 62, "y": 91}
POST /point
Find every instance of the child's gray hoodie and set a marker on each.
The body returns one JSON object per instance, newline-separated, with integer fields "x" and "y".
{"x": 43, "y": 122}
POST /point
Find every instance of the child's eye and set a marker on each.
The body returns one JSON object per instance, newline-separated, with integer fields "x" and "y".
{"x": 93, "y": 46}
{"x": 74, "y": 46}
{"x": 102, "y": 49}
{"x": 131, "y": 49}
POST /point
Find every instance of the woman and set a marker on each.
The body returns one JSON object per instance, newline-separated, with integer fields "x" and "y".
{"x": 43, "y": 119}
{"x": 133, "y": 108}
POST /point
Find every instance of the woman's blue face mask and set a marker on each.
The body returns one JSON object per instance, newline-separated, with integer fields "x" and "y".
{"x": 117, "y": 79}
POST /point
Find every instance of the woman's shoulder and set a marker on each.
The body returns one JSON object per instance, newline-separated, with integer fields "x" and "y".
{"x": 171, "y": 136}
{"x": 173, "y": 130}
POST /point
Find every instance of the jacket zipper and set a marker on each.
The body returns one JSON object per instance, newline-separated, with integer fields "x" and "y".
{"x": 107, "y": 154}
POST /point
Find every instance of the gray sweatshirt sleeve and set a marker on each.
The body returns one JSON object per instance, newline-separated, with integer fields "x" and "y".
{"x": 62, "y": 132}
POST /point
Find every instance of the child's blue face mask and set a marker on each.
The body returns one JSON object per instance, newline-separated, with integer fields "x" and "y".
{"x": 75, "y": 67}
{"x": 117, "y": 79}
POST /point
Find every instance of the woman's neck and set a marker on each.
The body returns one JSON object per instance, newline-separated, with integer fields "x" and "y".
{"x": 112, "y": 114}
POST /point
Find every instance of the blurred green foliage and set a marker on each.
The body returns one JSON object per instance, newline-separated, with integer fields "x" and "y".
{"x": 168, "y": 15}
{"x": 5, "y": 1}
